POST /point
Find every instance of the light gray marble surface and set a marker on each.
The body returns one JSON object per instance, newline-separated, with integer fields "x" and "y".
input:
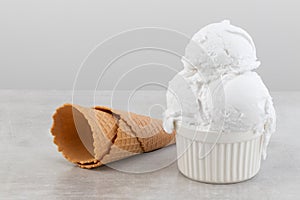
{"x": 31, "y": 167}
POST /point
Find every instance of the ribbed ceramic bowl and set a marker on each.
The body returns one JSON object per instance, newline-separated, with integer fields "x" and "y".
{"x": 218, "y": 158}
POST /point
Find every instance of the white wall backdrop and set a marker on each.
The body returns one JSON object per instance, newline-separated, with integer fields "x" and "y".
{"x": 42, "y": 43}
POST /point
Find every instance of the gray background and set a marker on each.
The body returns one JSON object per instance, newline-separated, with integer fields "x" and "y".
{"x": 42, "y": 43}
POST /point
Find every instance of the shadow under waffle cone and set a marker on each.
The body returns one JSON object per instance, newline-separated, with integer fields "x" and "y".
{"x": 90, "y": 137}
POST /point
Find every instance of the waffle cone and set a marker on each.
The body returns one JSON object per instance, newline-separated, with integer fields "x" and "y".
{"x": 91, "y": 137}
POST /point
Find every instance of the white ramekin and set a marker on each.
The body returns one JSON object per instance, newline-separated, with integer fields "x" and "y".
{"x": 218, "y": 158}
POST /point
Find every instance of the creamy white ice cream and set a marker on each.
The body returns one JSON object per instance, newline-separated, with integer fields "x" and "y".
{"x": 217, "y": 90}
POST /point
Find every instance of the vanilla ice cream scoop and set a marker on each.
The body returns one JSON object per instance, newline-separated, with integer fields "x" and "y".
{"x": 220, "y": 48}
{"x": 217, "y": 90}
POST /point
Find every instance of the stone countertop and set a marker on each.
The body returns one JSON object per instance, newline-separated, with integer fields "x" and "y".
{"x": 31, "y": 167}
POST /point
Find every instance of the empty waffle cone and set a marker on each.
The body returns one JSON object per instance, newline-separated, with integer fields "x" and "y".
{"x": 90, "y": 137}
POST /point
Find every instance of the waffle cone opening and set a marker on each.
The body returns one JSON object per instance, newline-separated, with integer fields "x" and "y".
{"x": 68, "y": 123}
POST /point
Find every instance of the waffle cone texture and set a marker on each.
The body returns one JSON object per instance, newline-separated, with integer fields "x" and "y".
{"x": 91, "y": 137}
